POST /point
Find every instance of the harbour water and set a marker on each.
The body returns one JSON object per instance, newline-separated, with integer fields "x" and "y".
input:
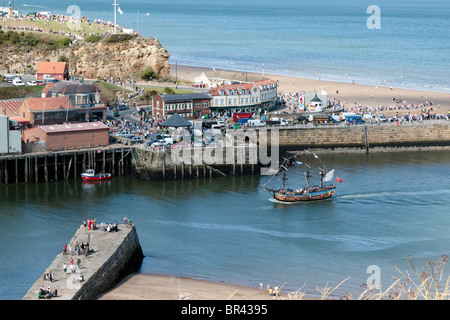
{"x": 388, "y": 207}
{"x": 316, "y": 39}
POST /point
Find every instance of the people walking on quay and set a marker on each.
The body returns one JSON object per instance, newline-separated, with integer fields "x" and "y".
{"x": 65, "y": 249}
{"x": 70, "y": 250}
{"x": 78, "y": 263}
{"x": 65, "y": 267}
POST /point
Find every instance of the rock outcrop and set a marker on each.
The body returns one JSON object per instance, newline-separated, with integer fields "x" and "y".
{"x": 95, "y": 60}
{"x": 119, "y": 60}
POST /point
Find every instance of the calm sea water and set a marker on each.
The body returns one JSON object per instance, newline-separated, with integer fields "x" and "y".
{"x": 310, "y": 38}
{"x": 225, "y": 229}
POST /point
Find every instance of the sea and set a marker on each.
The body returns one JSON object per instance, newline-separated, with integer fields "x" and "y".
{"x": 391, "y": 209}
{"x": 397, "y": 43}
{"x": 389, "y": 214}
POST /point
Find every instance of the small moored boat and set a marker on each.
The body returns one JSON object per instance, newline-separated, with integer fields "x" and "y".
{"x": 90, "y": 175}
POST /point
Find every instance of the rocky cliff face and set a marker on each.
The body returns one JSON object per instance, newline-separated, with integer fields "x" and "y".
{"x": 120, "y": 60}
{"x": 98, "y": 60}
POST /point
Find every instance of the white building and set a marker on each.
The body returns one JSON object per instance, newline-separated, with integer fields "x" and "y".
{"x": 315, "y": 101}
{"x": 253, "y": 97}
{"x": 216, "y": 78}
{"x": 10, "y": 140}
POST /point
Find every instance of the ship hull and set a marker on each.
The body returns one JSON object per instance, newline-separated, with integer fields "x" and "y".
{"x": 98, "y": 177}
{"x": 310, "y": 196}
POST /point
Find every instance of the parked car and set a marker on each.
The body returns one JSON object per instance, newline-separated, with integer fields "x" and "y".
{"x": 18, "y": 82}
{"x": 10, "y": 78}
{"x": 149, "y": 143}
{"x": 122, "y": 107}
{"x": 39, "y": 82}
{"x": 32, "y": 83}
{"x": 137, "y": 139}
{"x": 181, "y": 145}
{"x": 166, "y": 142}
{"x": 126, "y": 135}
{"x": 53, "y": 80}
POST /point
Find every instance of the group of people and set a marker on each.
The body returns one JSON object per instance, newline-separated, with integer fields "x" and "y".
{"x": 273, "y": 292}
{"x": 110, "y": 227}
{"x": 80, "y": 249}
{"x": 72, "y": 266}
{"x": 91, "y": 224}
{"x": 47, "y": 293}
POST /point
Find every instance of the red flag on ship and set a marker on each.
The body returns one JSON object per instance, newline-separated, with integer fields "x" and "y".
{"x": 338, "y": 179}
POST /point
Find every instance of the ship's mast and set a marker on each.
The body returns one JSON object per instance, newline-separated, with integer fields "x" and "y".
{"x": 321, "y": 178}
{"x": 307, "y": 175}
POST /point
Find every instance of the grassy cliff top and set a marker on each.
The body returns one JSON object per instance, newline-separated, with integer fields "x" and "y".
{"x": 81, "y": 29}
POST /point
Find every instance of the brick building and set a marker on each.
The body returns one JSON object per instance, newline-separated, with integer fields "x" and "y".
{"x": 188, "y": 105}
{"x": 57, "y": 70}
{"x": 79, "y": 93}
{"x": 45, "y": 111}
{"x": 68, "y": 136}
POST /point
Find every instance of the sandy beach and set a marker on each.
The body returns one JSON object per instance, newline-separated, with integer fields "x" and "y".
{"x": 141, "y": 286}
{"x": 348, "y": 93}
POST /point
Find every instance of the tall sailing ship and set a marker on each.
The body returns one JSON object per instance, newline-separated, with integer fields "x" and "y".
{"x": 309, "y": 192}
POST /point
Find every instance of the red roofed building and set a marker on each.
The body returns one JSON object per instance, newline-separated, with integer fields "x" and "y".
{"x": 47, "y": 110}
{"x": 54, "y": 110}
{"x": 10, "y": 108}
{"x": 57, "y": 70}
{"x": 68, "y": 136}
{"x": 248, "y": 97}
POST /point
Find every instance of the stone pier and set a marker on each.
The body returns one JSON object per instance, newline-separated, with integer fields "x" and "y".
{"x": 115, "y": 255}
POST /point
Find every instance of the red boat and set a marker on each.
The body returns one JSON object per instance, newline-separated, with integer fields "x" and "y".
{"x": 90, "y": 175}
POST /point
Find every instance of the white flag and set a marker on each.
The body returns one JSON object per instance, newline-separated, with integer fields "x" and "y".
{"x": 329, "y": 176}
{"x": 120, "y": 11}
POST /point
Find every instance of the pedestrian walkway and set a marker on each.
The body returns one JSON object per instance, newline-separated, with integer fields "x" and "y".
{"x": 102, "y": 245}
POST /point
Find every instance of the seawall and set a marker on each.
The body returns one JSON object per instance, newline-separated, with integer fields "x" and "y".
{"x": 115, "y": 255}
{"x": 366, "y": 138}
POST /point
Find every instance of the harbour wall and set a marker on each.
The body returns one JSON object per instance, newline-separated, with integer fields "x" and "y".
{"x": 242, "y": 158}
{"x": 365, "y": 138}
{"x": 195, "y": 163}
{"x": 115, "y": 255}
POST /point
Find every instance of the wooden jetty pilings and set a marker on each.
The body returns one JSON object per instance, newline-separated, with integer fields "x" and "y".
{"x": 63, "y": 165}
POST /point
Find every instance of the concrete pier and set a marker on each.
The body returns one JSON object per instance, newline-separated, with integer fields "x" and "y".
{"x": 115, "y": 255}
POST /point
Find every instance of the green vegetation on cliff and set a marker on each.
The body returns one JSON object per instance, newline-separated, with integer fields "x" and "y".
{"x": 31, "y": 40}
{"x": 7, "y": 93}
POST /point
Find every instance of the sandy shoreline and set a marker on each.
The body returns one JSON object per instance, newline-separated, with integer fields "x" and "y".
{"x": 142, "y": 286}
{"x": 348, "y": 93}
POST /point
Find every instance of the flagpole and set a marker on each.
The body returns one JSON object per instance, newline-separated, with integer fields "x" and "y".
{"x": 115, "y": 9}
